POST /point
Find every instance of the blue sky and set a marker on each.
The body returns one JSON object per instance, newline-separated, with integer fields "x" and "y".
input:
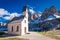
{"x": 38, "y": 5}
{"x": 12, "y": 6}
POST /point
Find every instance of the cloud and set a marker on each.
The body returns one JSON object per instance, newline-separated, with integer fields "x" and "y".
{"x": 31, "y": 10}
{"x": 12, "y": 15}
{"x": 9, "y": 16}
{"x": 3, "y": 12}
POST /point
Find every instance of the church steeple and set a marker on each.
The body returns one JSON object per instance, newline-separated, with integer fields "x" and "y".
{"x": 25, "y": 13}
{"x": 25, "y": 10}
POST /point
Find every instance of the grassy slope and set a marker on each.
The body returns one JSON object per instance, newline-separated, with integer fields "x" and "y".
{"x": 51, "y": 34}
{"x": 12, "y": 39}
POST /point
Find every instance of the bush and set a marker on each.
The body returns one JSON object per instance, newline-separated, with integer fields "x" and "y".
{"x": 1, "y": 33}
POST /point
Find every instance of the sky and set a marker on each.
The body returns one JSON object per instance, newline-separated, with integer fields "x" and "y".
{"x": 12, "y": 8}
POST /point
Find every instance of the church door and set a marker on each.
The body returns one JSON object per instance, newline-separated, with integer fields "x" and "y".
{"x": 24, "y": 29}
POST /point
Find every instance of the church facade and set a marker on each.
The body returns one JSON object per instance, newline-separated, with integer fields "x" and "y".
{"x": 19, "y": 25}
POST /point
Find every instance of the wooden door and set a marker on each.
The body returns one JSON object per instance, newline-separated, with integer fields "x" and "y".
{"x": 24, "y": 29}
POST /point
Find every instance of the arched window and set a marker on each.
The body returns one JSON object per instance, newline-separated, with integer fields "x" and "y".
{"x": 12, "y": 29}
{"x": 17, "y": 28}
{"x": 25, "y": 21}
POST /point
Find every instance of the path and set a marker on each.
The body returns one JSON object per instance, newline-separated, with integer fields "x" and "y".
{"x": 33, "y": 36}
{"x": 36, "y": 36}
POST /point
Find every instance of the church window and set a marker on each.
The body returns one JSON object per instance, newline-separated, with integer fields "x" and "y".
{"x": 25, "y": 21}
{"x": 12, "y": 29}
{"x": 17, "y": 28}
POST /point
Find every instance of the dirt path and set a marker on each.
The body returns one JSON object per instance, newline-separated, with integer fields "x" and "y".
{"x": 36, "y": 36}
{"x": 33, "y": 36}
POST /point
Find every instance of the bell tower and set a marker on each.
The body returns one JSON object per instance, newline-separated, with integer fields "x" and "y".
{"x": 25, "y": 13}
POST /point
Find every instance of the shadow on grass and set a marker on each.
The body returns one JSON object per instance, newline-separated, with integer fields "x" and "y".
{"x": 10, "y": 37}
{"x": 7, "y": 35}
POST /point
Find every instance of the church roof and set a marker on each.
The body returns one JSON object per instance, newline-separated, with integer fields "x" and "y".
{"x": 17, "y": 19}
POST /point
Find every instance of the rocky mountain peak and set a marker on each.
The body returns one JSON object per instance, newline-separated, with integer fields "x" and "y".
{"x": 48, "y": 12}
{"x": 53, "y": 9}
{"x": 35, "y": 15}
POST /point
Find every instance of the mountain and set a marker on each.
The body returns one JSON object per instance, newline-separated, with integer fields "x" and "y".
{"x": 34, "y": 16}
{"x": 49, "y": 19}
{"x": 48, "y": 12}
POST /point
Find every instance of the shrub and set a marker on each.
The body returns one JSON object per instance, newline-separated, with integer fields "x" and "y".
{"x": 1, "y": 33}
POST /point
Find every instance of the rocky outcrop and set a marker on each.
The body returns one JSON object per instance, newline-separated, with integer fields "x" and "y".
{"x": 48, "y": 12}
{"x": 34, "y": 16}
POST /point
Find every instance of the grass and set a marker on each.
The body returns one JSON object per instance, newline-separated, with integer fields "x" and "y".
{"x": 52, "y": 34}
{"x": 12, "y": 39}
